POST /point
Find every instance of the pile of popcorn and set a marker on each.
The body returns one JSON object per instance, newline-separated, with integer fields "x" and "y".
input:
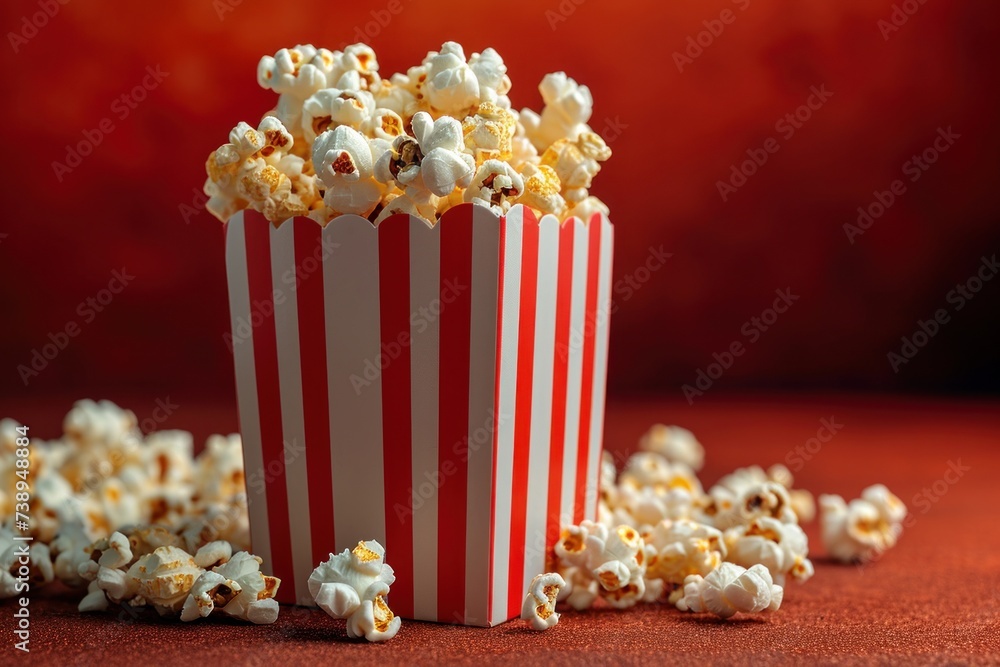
{"x": 136, "y": 519}
{"x": 142, "y": 523}
{"x": 660, "y": 537}
{"x": 342, "y": 139}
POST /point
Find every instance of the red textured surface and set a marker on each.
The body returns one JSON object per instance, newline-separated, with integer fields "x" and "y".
{"x": 680, "y": 133}
{"x": 933, "y": 600}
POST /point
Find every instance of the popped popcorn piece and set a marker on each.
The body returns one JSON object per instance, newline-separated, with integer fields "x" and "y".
{"x": 586, "y": 208}
{"x": 237, "y": 588}
{"x": 730, "y": 589}
{"x": 489, "y": 133}
{"x": 332, "y": 107}
{"x": 768, "y": 499}
{"x": 676, "y": 444}
{"x": 163, "y": 578}
{"x": 863, "y": 528}
{"x": 353, "y": 585}
{"x": 384, "y": 123}
{"x": 452, "y": 86}
{"x": 344, "y": 163}
{"x": 38, "y": 564}
{"x": 541, "y": 191}
{"x": 581, "y": 588}
{"x": 432, "y": 159}
{"x": 490, "y": 71}
{"x": 293, "y": 71}
{"x": 614, "y": 558}
{"x": 356, "y": 65}
{"x": 782, "y": 548}
{"x": 682, "y": 548}
{"x": 213, "y": 554}
{"x": 539, "y": 608}
{"x": 219, "y": 468}
{"x": 568, "y": 107}
{"x": 803, "y": 504}
{"x": 495, "y": 185}
{"x": 576, "y": 162}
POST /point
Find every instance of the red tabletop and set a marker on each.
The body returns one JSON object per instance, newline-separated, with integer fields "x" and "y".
{"x": 934, "y": 599}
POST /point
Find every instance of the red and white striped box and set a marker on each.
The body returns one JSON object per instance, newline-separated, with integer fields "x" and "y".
{"x": 437, "y": 388}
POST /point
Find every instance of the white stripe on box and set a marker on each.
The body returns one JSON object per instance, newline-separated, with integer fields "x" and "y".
{"x": 286, "y": 324}
{"x": 246, "y": 384}
{"x": 541, "y": 398}
{"x": 353, "y": 342}
{"x": 574, "y": 375}
{"x": 603, "y": 317}
{"x": 482, "y": 370}
{"x": 425, "y": 269}
{"x": 505, "y": 417}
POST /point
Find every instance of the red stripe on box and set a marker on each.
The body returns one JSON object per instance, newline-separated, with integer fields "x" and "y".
{"x": 394, "y": 318}
{"x": 586, "y": 399}
{"x": 496, "y": 408}
{"x": 453, "y": 412}
{"x": 265, "y": 350}
{"x": 309, "y": 256}
{"x": 522, "y": 411}
{"x": 560, "y": 373}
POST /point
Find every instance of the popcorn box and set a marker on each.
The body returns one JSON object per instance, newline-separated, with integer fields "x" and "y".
{"x": 437, "y": 388}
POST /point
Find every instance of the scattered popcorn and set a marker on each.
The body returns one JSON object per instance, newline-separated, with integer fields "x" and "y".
{"x": 237, "y": 588}
{"x": 539, "y": 608}
{"x": 680, "y": 549}
{"x": 430, "y": 132}
{"x": 782, "y": 548}
{"x": 105, "y": 496}
{"x": 676, "y": 444}
{"x": 863, "y": 528}
{"x": 730, "y": 589}
{"x": 352, "y": 585}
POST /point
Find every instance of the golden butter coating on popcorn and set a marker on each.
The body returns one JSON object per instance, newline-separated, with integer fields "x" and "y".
{"x": 730, "y": 589}
{"x": 541, "y": 191}
{"x": 163, "y": 579}
{"x": 353, "y": 585}
{"x": 539, "y": 608}
{"x": 489, "y": 133}
{"x": 865, "y": 527}
{"x": 576, "y": 163}
{"x": 319, "y": 90}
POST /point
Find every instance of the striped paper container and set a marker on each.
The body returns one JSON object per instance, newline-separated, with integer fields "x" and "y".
{"x": 439, "y": 389}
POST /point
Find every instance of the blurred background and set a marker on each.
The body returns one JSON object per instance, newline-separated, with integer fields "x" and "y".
{"x": 685, "y": 93}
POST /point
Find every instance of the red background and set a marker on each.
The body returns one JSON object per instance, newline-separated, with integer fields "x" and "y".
{"x": 783, "y": 229}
